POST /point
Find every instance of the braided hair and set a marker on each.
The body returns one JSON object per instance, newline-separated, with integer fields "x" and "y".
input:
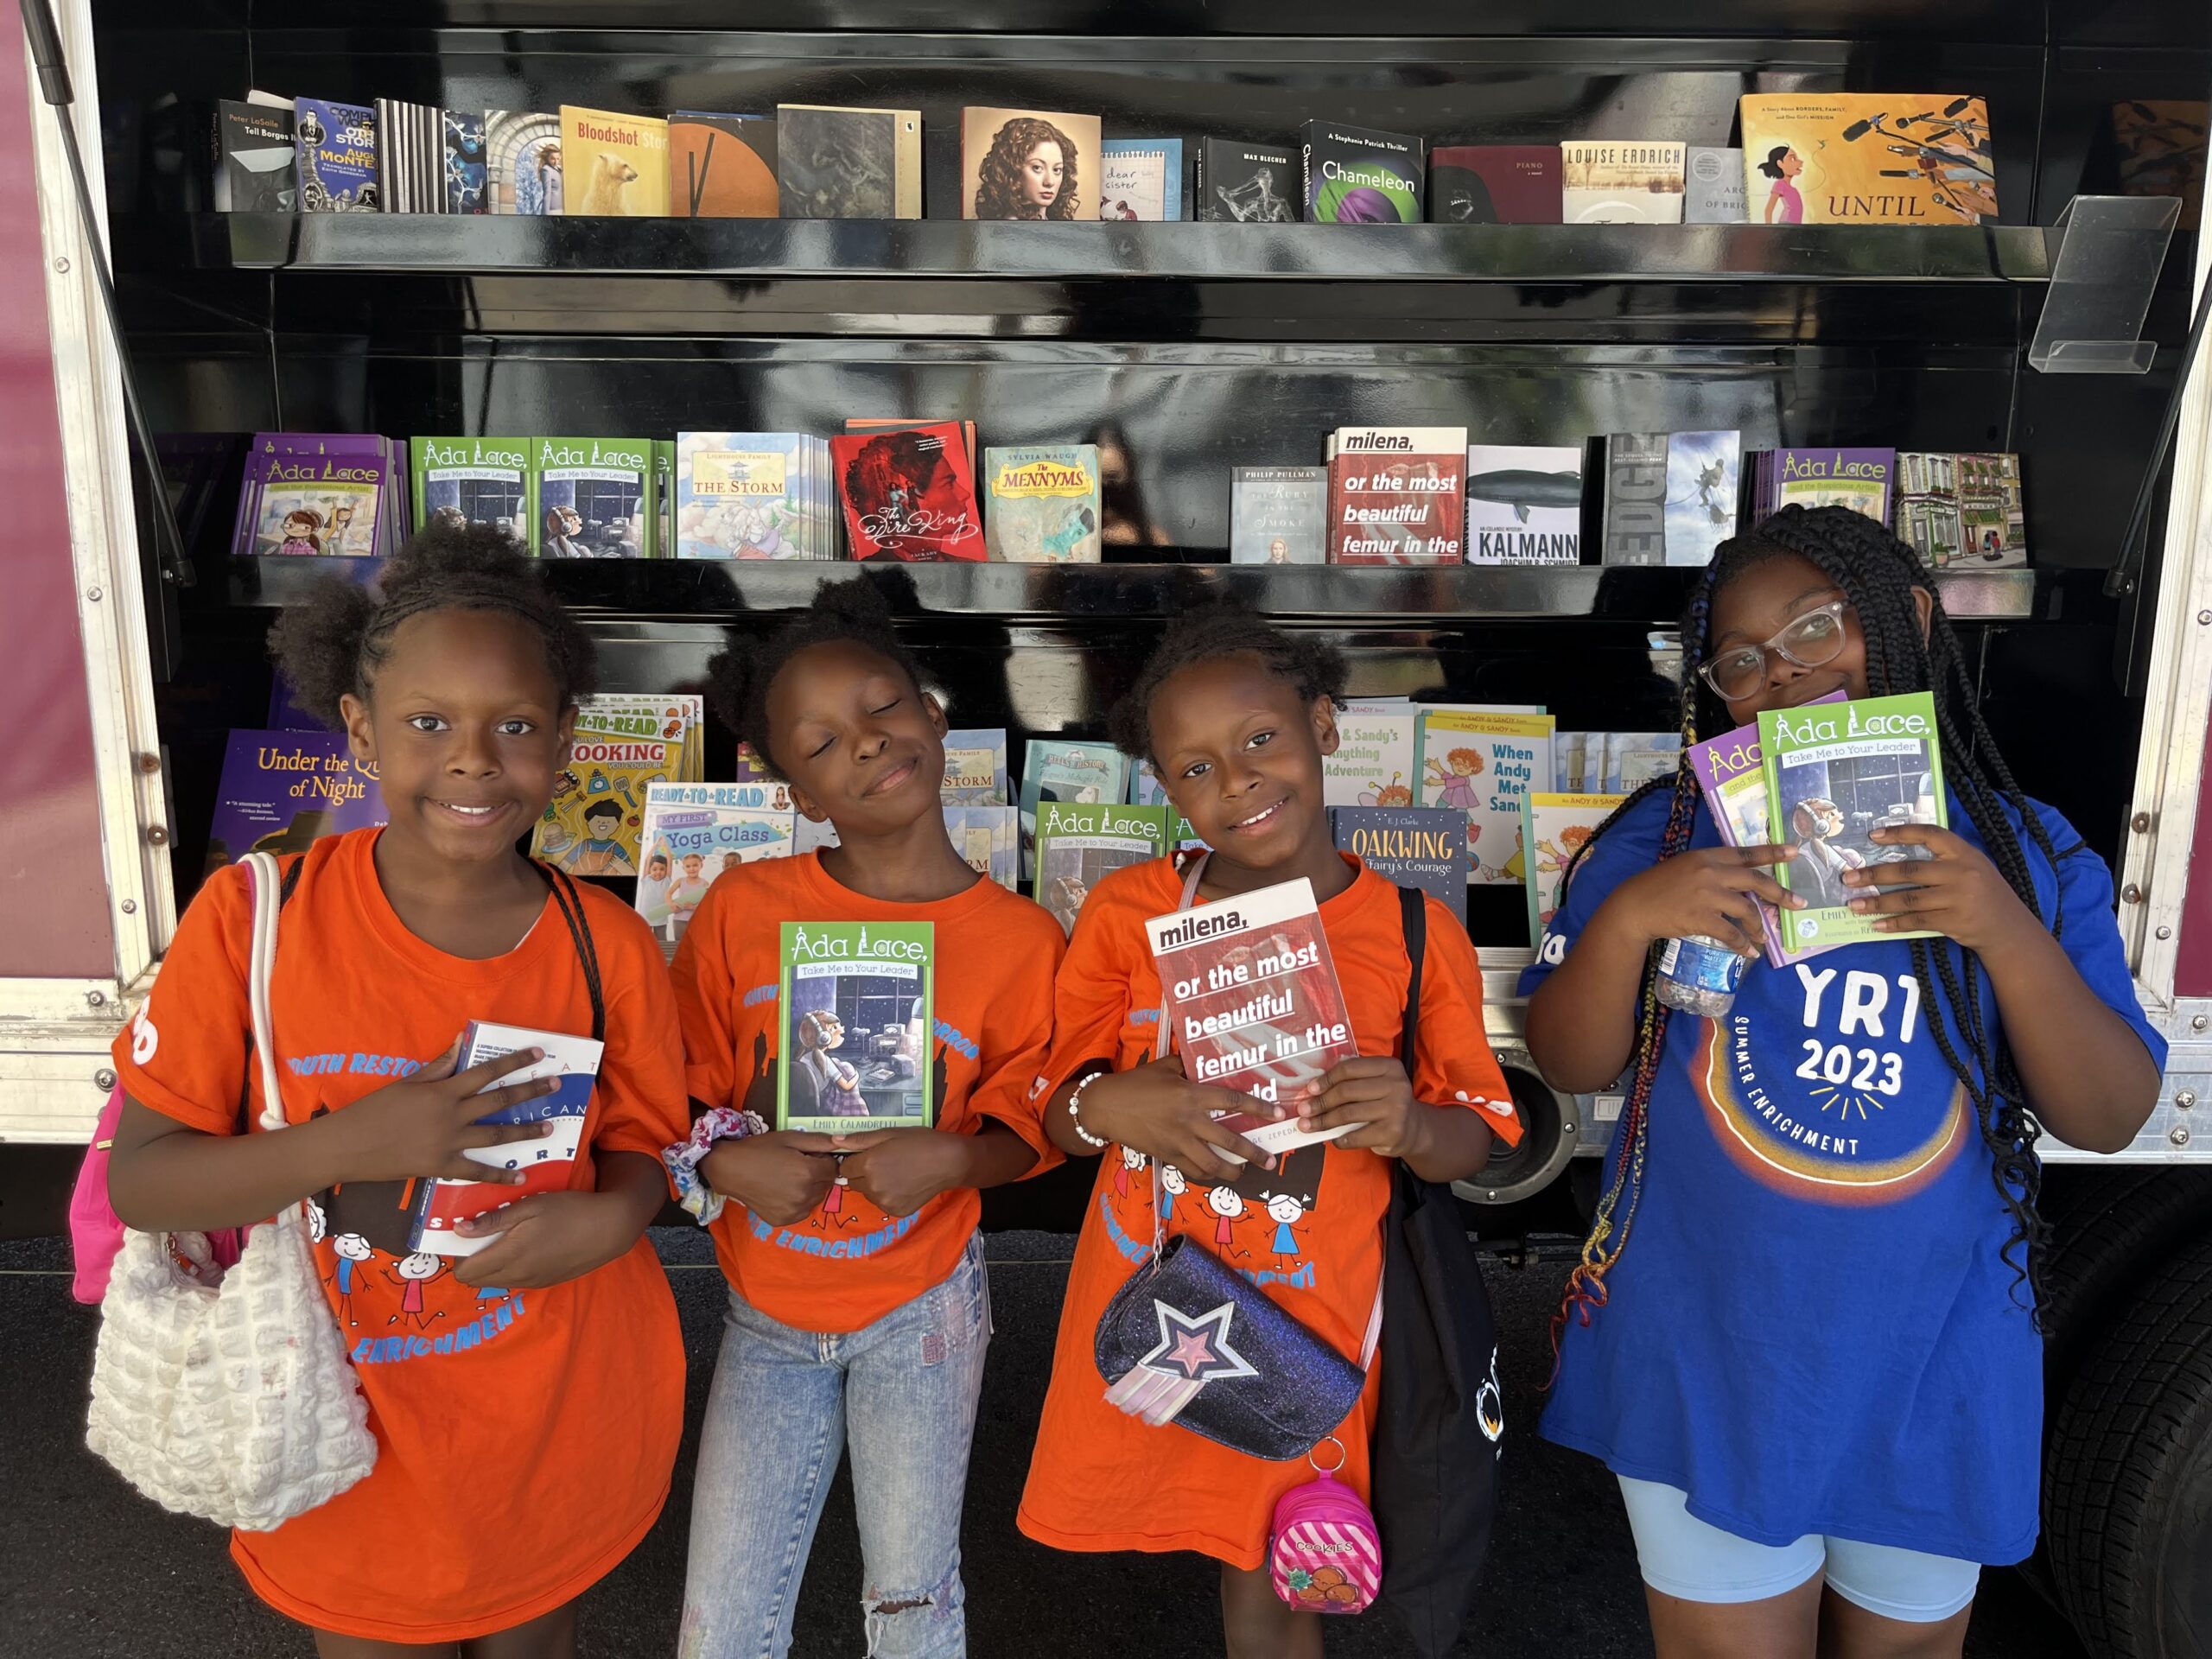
{"x": 1878, "y": 574}
{"x": 1224, "y": 629}
{"x": 332, "y": 644}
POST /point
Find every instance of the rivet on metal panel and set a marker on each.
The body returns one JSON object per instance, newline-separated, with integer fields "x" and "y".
{"x": 2131, "y": 895}
{"x": 104, "y": 1079}
{"x": 2185, "y": 1098}
{"x": 2204, "y": 619}
{"x": 131, "y": 907}
{"x": 2165, "y": 932}
{"x": 2200, "y": 1022}
{"x": 61, "y": 263}
{"x": 94, "y": 594}
{"x": 157, "y": 834}
{"x": 2179, "y": 1137}
{"x": 2140, "y": 823}
{"x": 149, "y": 764}
{"x": 96, "y": 999}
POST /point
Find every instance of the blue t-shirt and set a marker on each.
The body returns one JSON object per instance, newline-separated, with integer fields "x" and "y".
{"x": 1811, "y": 1329}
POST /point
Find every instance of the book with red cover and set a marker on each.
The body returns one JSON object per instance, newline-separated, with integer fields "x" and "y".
{"x": 1397, "y": 495}
{"x": 909, "y": 494}
{"x": 1495, "y": 184}
{"x": 864, "y": 424}
{"x": 1254, "y": 1005}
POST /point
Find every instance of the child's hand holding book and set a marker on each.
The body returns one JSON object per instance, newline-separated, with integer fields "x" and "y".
{"x": 1153, "y": 1109}
{"x": 426, "y": 1125}
{"x": 781, "y": 1178}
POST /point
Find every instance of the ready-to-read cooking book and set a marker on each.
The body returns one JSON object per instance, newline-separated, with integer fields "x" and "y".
{"x": 1734, "y": 783}
{"x": 1554, "y": 827}
{"x": 1524, "y": 504}
{"x": 1254, "y": 1005}
{"x": 1079, "y": 846}
{"x": 1480, "y": 762}
{"x": 856, "y": 1010}
{"x": 621, "y": 747}
{"x": 1881, "y": 158}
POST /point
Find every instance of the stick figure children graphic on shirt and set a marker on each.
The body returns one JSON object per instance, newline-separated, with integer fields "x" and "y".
{"x": 1286, "y": 1209}
{"x": 412, "y": 1272}
{"x": 1172, "y": 1185}
{"x": 351, "y": 1250}
{"x": 1132, "y": 1161}
{"x": 1228, "y": 1203}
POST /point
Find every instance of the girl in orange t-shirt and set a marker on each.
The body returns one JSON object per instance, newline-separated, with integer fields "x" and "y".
{"x": 858, "y": 1311}
{"x": 526, "y": 1399}
{"x": 1235, "y": 718}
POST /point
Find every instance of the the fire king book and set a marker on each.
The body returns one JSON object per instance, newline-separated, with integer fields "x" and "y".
{"x": 1254, "y": 1005}
{"x": 438, "y": 1206}
{"x": 1397, "y": 495}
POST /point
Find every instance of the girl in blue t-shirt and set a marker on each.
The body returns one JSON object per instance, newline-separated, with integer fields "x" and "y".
{"x": 1817, "y": 1372}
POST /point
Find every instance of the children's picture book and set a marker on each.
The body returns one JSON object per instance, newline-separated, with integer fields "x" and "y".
{"x": 1358, "y": 176}
{"x": 1141, "y": 180}
{"x": 1858, "y": 478}
{"x": 1145, "y": 787}
{"x": 547, "y": 1165}
{"x": 1670, "y": 497}
{"x": 316, "y": 492}
{"x": 1079, "y": 846}
{"x": 858, "y": 1008}
{"x": 1044, "y": 506}
{"x": 693, "y": 835}
{"x": 282, "y": 791}
{"x": 1495, "y": 184}
{"x": 467, "y": 179}
{"x": 1733, "y": 782}
{"x": 337, "y": 157}
{"x": 615, "y": 166}
{"x": 1243, "y": 182}
{"x": 1071, "y": 770}
{"x": 522, "y": 162}
{"x": 410, "y": 157}
{"x": 592, "y": 499}
{"x": 1621, "y": 181}
{"x": 975, "y": 767}
{"x": 1554, "y": 828}
{"x": 836, "y": 161}
{"x": 1524, "y": 504}
{"x": 1278, "y": 515}
{"x": 473, "y": 480}
{"x": 257, "y": 159}
{"x": 1850, "y": 158}
{"x": 622, "y": 746}
{"x": 1713, "y": 186}
{"x": 753, "y": 495}
{"x": 1029, "y": 164}
{"x": 987, "y": 839}
{"x": 1962, "y": 510}
{"x": 1834, "y": 773}
{"x": 721, "y": 166}
{"x": 1635, "y": 758}
{"x": 1578, "y": 762}
{"x": 1423, "y": 846}
{"x": 908, "y": 495}
{"x": 1254, "y": 1005}
{"x": 1480, "y": 762}
{"x": 1374, "y": 762}
{"x": 1397, "y": 495}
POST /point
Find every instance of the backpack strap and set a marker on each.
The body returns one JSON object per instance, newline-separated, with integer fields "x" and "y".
{"x": 572, "y": 911}
{"x": 1413, "y": 911}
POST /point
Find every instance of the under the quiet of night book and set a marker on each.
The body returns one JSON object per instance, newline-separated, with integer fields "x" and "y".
{"x": 854, "y": 1050}
{"x": 282, "y": 791}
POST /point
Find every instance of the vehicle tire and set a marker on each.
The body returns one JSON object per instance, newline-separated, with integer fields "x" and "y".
{"x": 2107, "y": 1228}
{"x": 2128, "y": 1477}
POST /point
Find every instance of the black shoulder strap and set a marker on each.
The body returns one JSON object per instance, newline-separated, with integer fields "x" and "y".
{"x": 572, "y": 911}
{"x": 291, "y": 880}
{"x": 1413, "y": 910}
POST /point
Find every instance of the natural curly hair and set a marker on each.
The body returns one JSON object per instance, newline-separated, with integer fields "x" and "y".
{"x": 1312, "y": 667}
{"x": 331, "y": 643}
{"x": 998, "y": 180}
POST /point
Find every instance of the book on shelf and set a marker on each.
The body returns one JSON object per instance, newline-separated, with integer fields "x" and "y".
{"x": 1043, "y": 504}
{"x": 975, "y": 767}
{"x": 837, "y": 161}
{"x": 1670, "y": 498}
{"x": 1733, "y": 782}
{"x": 693, "y": 835}
{"x": 1423, "y": 846}
{"x": 753, "y": 495}
{"x": 1607, "y": 181}
{"x": 1554, "y": 827}
{"x": 1071, "y": 770}
{"x": 988, "y": 838}
{"x": 908, "y": 495}
{"x": 1858, "y": 478}
{"x": 1029, "y": 164}
{"x": 466, "y": 187}
{"x": 410, "y": 157}
{"x": 1480, "y": 761}
{"x": 664, "y": 498}
{"x": 334, "y": 493}
{"x": 1145, "y": 787}
{"x": 257, "y": 159}
{"x": 473, "y": 480}
{"x": 1360, "y": 175}
{"x": 1834, "y": 773}
{"x": 592, "y": 499}
{"x": 1079, "y": 845}
{"x": 1495, "y": 184}
{"x": 856, "y": 1003}
{"x": 721, "y": 166}
{"x": 1524, "y": 504}
{"x": 2161, "y": 151}
{"x": 1713, "y": 186}
{"x": 1141, "y": 180}
{"x": 337, "y": 147}
{"x": 522, "y": 164}
{"x": 1397, "y": 495}
{"x": 622, "y": 746}
{"x": 1245, "y": 182}
{"x": 1373, "y": 764}
{"x": 1962, "y": 510}
{"x": 1853, "y": 158}
{"x": 614, "y": 166}
{"x": 1278, "y": 515}
{"x": 864, "y": 424}
{"x": 280, "y": 791}
{"x": 1578, "y": 763}
{"x": 1633, "y": 759}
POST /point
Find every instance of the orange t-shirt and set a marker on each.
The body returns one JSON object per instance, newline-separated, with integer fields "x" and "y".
{"x": 849, "y": 1264}
{"x": 524, "y": 1439}
{"x": 1309, "y": 1233}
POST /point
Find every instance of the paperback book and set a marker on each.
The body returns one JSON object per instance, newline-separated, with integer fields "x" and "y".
{"x": 1044, "y": 507}
{"x": 467, "y": 179}
{"x": 1397, "y": 495}
{"x": 1242, "y": 182}
{"x": 1357, "y": 176}
{"x": 1029, "y": 164}
{"x": 1851, "y": 158}
{"x": 1141, "y": 180}
{"x": 975, "y": 767}
{"x": 257, "y": 159}
{"x": 306, "y": 493}
{"x": 592, "y": 499}
{"x": 836, "y": 162}
{"x": 1524, "y": 504}
{"x": 753, "y": 495}
{"x": 1962, "y": 510}
{"x": 473, "y": 480}
{"x": 693, "y": 835}
{"x": 1495, "y": 184}
{"x": 866, "y": 423}
{"x": 337, "y": 157}
{"x": 1072, "y": 771}
{"x": 1480, "y": 762}
{"x": 1278, "y": 515}
{"x": 522, "y": 164}
{"x": 1374, "y": 762}
{"x": 282, "y": 791}
{"x": 987, "y": 839}
{"x": 1733, "y": 781}
{"x": 615, "y": 166}
{"x": 1633, "y": 759}
{"x": 1713, "y": 186}
{"x": 1670, "y": 497}
{"x": 908, "y": 495}
{"x": 410, "y": 157}
{"x": 1621, "y": 181}
{"x": 721, "y": 166}
{"x": 1554, "y": 828}
{"x": 1423, "y": 846}
{"x": 1079, "y": 846}
{"x": 857, "y": 1002}
{"x": 1858, "y": 479}
{"x": 594, "y": 824}
{"x": 1834, "y": 773}
{"x": 1578, "y": 762}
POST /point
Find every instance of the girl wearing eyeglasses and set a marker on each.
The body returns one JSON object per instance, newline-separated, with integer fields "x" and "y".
{"x": 1804, "y": 1334}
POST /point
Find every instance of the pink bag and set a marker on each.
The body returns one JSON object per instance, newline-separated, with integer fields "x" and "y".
{"x": 95, "y": 1234}
{"x": 1323, "y": 1553}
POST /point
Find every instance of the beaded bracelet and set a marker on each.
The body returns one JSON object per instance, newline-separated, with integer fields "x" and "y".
{"x": 1075, "y": 1101}
{"x": 697, "y": 1199}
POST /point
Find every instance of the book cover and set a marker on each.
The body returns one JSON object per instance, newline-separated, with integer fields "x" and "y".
{"x": 1397, "y": 495}
{"x": 1374, "y": 762}
{"x": 1835, "y": 773}
{"x": 834, "y": 161}
{"x": 693, "y": 835}
{"x": 282, "y": 791}
{"x": 721, "y": 166}
{"x": 1621, "y": 182}
{"x": 664, "y": 498}
{"x": 1635, "y": 758}
{"x": 901, "y": 424}
{"x": 753, "y": 495}
{"x": 987, "y": 839}
{"x": 592, "y": 499}
{"x": 1357, "y": 176}
{"x": 337, "y": 157}
{"x": 857, "y": 1002}
{"x": 1070, "y": 770}
{"x": 1495, "y": 184}
{"x": 547, "y": 1165}
{"x": 2162, "y": 151}
{"x": 1524, "y": 504}
{"x": 257, "y": 159}
{"x": 474, "y": 480}
{"x": 1145, "y": 787}
{"x": 1733, "y": 782}
{"x": 1578, "y": 762}
{"x": 975, "y": 767}
{"x": 1423, "y": 846}
{"x": 410, "y": 157}
{"x": 675, "y": 718}
{"x": 1029, "y": 164}
{"x": 1480, "y": 762}
{"x": 1141, "y": 180}
{"x": 1246, "y": 183}
{"x": 522, "y": 164}
{"x": 1043, "y": 504}
{"x": 1278, "y": 515}
{"x": 614, "y": 166}
{"x": 1713, "y": 186}
{"x": 1962, "y": 510}
{"x": 1850, "y": 158}
{"x": 1858, "y": 478}
{"x": 908, "y": 495}
{"x": 1670, "y": 497}
{"x": 593, "y": 824}
{"x": 1554, "y": 827}
{"x": 326, "y": 501}
{"x": 1079, "y": 845}
{"x": 467, "y": 178}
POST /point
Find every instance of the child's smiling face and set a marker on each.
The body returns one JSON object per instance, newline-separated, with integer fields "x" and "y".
{"x": 861, "y": 744}
{"x": 1239, "y": 753}
{"x": 1759, "y": 603}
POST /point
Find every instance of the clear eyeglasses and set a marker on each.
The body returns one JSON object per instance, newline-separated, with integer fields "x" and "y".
{"x": 1807, "y": 641}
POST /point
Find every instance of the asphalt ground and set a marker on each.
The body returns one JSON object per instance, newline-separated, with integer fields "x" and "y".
{"x": 91, "y": 1570}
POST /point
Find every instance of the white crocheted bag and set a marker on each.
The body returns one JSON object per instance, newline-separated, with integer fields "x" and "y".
{"x": 227, "y": 1393}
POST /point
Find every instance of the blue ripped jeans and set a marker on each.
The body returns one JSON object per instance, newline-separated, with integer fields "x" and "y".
{"x": 784, "y": 1402}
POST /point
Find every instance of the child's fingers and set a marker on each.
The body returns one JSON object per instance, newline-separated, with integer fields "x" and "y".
{"x": 1767, "y": 853}
{"x": 1362, "y": 1066}
{"x": 808, "y": 1141}
{"x": 442, "y": 1066}
{"x": 1942, "y": 842}
{"x": 492, "y": 1222}
{"x": 862, "y": 1141}
{"x": 1320, "y": 1122}
{"x": 1899, "y": 901}
{"x": 483, "y": 1075}
{"x": 1760, "y": 884}
{"x": 1238, "y": 1149}
{"x": 501, "y": 1099}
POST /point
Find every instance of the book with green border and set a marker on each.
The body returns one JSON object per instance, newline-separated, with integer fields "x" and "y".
{"x": 485, "y": 480}
{"x": 606, "y": 483}
{"x": 857, "y": 1003}
{"x": 1079, "y": 844}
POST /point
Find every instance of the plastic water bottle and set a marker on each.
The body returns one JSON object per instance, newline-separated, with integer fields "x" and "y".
{"x": 1700, "y": 975}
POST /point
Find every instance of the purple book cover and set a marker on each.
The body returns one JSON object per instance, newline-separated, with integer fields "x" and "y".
{"x": 1728, "y": 771}
{"x": 1858, "y": 478}
{"x": 283, "y": 790}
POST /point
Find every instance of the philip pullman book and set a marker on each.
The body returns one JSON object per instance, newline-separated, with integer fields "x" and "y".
{"x": 1851, "y": 158}
{"x": 834, "y": 161}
